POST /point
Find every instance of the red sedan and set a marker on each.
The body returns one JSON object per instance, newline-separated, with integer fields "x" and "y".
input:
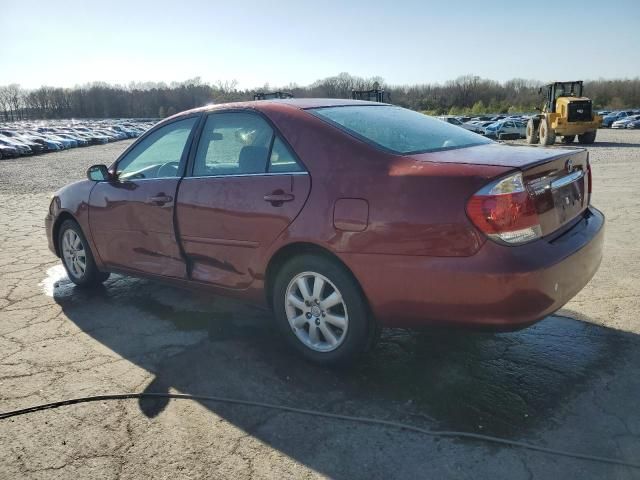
{"x": 342, "y": 216}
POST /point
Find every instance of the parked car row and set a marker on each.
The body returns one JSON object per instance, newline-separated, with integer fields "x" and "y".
{"x": 512, "y": 126}
{"x": 493, "y": 126}
{"x": 611, "y": 118}
{"x": 30, "y": 138}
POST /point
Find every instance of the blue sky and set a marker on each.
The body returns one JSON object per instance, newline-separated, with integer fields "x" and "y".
{"x": 65, "y": 43}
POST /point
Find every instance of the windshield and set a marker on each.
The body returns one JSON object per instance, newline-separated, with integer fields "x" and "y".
{"x": 397, "y": 129}
{"x": 568, "y": 89}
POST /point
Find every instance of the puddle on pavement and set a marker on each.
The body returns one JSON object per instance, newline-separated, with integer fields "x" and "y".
{"x": 500, "y": 383}
{"x": 56, "y": 282}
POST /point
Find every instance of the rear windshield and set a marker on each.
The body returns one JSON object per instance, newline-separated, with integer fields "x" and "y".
{"x": 397, "y": 129}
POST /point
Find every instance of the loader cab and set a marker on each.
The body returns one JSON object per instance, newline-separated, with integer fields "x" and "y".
{"x": 557, "y": 90}
{"x": 271, "y": 95}
{"x": 376, "y": 94}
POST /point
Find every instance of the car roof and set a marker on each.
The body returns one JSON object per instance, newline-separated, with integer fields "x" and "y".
{"x": 299, "y": 103}
{"x": 303, "y": 103}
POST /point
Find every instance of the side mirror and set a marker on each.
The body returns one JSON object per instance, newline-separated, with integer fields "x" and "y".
{"x": 98, "y": 173}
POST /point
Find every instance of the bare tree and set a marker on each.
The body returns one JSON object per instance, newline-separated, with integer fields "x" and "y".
{"x": 14, "y": 99}
{"x": 465, "y": 94}
{"x": 4, "y": 103}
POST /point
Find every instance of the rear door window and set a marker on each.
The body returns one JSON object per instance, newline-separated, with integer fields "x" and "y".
{"x": 233, "y": 143}
{"x": 241, "y": 143}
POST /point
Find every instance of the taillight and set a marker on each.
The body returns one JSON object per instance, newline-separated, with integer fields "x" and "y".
{"x": 505, "y": 211}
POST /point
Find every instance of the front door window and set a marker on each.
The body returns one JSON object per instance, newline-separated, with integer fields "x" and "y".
{"x": 159, "y": 155}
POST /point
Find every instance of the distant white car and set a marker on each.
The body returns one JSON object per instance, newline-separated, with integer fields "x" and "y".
{"x": 624, "y": 122}
{"x": 450, "y": 119}
{"x": 475, "y": 126}
{"x": 506, "y": 129}
{"x": 457, "y": 122}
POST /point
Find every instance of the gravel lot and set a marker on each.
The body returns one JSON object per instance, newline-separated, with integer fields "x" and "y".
{"x": 570, "y": 382}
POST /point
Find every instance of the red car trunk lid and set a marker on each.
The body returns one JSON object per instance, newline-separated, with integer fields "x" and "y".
{"x": 560, "y": 188}
{"x": 556, "y": 178}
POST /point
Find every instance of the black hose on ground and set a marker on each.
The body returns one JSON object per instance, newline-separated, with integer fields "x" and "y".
{"x": 315, "y": 413}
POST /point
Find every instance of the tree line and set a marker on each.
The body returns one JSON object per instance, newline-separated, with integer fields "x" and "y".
{"x": 466, "y": 94}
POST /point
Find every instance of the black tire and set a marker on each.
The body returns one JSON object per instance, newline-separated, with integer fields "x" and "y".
{"x": 547, "y": 134}
{"x": 91, "y": 277}
{"x": 587, "y": 138}
{"x": 568, "y": 139}
{"x": 361, "y": 332}
{"x": 532, "y": 133}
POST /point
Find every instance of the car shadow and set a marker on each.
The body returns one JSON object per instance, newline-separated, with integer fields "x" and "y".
{"x": 508, "y": 384}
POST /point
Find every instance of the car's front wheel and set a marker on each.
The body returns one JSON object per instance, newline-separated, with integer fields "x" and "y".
{"x": 546, "y": 133}
{"x": 587, "y": 138}
{"x": 321, "y": 310}
{"x": 77, "y": 256}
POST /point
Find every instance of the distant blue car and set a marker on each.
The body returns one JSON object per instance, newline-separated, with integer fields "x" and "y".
{"x": 81, "y": 142}
{"x": 65, "y": 141}
{"x": 93, "y": 137}
{"x": 127, "y": 131}
{"x": 50, "y": 145}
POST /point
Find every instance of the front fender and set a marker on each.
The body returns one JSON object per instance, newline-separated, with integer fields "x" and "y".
{"x": 72, "y": 201}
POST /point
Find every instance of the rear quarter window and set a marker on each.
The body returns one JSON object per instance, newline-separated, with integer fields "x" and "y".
{"x": 397, "y": 129}
{"x": 281, "y": 160}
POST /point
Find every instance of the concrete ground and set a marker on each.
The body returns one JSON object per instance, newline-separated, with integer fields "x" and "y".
{"x": 570, "y": 382}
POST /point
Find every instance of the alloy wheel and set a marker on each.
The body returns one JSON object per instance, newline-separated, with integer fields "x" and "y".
{"x": 73, "y": 251}
{"x": 316, "y": 311}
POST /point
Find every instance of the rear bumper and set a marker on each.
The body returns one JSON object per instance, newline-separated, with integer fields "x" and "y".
{"x": 500, "y": 287}
{"x": 564, "y": 127}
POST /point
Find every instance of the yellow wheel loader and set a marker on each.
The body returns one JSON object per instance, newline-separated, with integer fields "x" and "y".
{"x": 566, "y": 113}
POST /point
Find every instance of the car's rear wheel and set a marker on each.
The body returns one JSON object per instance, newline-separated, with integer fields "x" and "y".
{"x": 321, "y": 310}
{"x": 77, "y": 257}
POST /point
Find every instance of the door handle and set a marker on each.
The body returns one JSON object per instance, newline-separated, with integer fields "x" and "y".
{"x": 160, "y": 199}
{"x": 278, "y": 197}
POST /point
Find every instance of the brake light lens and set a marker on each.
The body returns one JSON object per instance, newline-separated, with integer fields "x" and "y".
{"x": 505, "y": 211}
